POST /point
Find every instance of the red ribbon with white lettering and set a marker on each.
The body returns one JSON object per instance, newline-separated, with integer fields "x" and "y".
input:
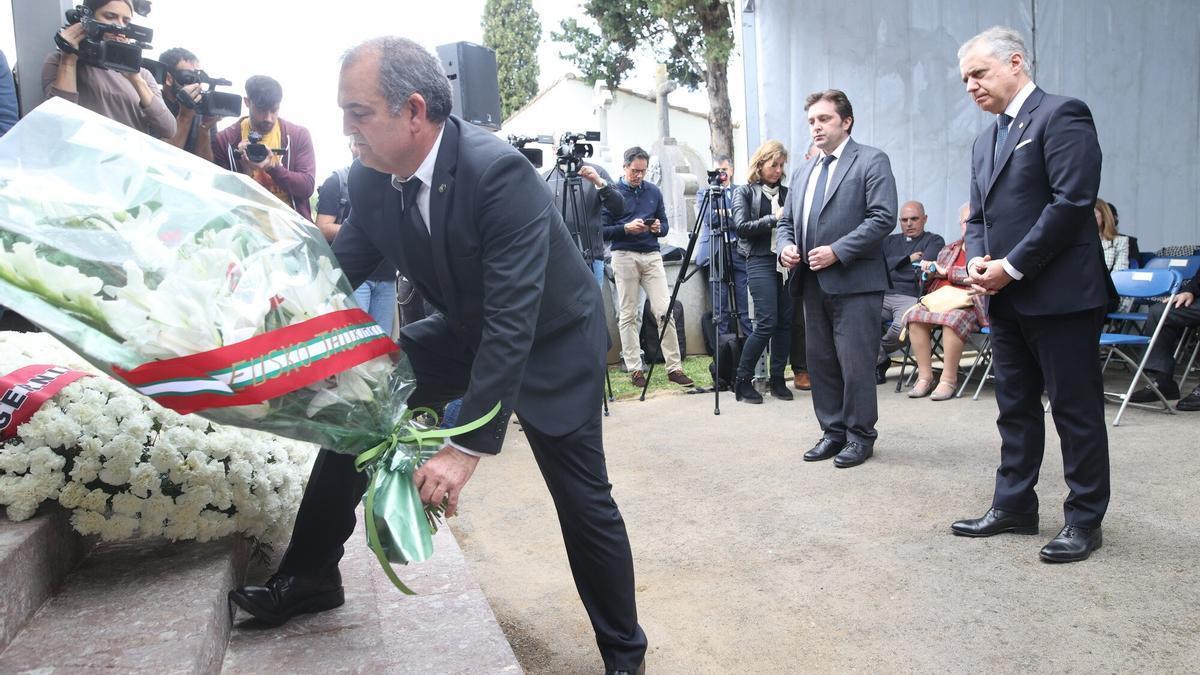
{"x": 23, "y": 391}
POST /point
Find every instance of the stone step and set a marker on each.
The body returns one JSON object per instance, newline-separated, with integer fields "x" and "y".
{"x": 147, "y": 606}
{"x": 35, "y": 557}
{"x": 448, "y": 628}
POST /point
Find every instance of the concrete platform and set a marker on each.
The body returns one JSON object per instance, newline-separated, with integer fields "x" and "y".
{"x": 448, "y": 628}
{"x": 35, "y": 557}
{"x": 135, "y": 607}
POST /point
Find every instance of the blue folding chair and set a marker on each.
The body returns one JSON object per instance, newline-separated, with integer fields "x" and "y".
{"x": 1142, "y": 284}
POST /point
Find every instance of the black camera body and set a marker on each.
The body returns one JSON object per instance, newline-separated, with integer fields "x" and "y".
{"x": 97, "y": 50}
{"x": 212, "y": 103}
{"x": 256, "y": 150}
{"x": 570, "y": 152}
{"x": 534, "y": 155}
{"x": 718, "y": 177}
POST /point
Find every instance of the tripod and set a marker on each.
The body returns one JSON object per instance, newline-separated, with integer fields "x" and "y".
{"x": 584, "y": 238}
{"x": 720, "y": 271}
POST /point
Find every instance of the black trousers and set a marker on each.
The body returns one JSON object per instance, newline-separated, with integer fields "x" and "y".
{"x": 575, "y": 472}
{"x": 1161, "y": 364}
{"x": 842, "y": 340}
{"x": 772, "y": 317}
{"x": 1058, "y": 354}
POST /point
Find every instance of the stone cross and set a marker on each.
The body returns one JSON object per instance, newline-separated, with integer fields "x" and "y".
{"x": 663, "y": 87}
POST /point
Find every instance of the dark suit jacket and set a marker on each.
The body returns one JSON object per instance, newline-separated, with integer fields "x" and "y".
{"x": 1036, "y": 209}
{"x": 515, "y": 295}
{"x": 859, "y": 212}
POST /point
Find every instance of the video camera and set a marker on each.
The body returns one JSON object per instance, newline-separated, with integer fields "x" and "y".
{"x": 718, "y": 177}
{"x": 98, "y": 49}
{"x": 534, "y": 155}
{"x": 256, "y": 150}
{"x": 571, "y": 153}
{"x": 212, "y": 103}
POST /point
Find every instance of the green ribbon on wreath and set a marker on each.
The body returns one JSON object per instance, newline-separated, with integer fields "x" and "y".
{"x": 393, "y": 507}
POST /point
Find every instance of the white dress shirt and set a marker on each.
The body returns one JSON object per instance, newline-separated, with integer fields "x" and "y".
{"x": 811, "y": 189}
{"x": 424, "y": 173}
{"x": 1014, "y": 107}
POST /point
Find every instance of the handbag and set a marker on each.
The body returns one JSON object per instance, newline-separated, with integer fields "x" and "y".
{"x": 941, "y": 300}
{"x": 946, "y": 298}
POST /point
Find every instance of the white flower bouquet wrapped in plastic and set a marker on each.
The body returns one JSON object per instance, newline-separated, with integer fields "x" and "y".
{"x": 200, "y": 289}
{"x": 192, "y": 284}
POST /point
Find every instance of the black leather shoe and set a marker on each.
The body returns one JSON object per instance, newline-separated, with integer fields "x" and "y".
{"x": 853, "y": 454}
{"x": 1191, "y": 402}
{"x": 996, "y": 521}
{"x": 285, "y": 596}
{"x": 779, "y": 389}
{"x": 1169, "y": 389}
{"x": 640, "y": 670}
{"x": 1073, "y": 544}
{"x": 881, "y": 372}
{"x": 824, "y": 449}
{"x": 744, "y": 390}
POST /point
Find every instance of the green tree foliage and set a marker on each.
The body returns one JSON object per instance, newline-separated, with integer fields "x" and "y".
{"x": 513, "y": 29}
{"x": 694, "y": 38}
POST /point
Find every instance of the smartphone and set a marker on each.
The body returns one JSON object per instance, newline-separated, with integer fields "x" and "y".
{"x": 649, "y": 222}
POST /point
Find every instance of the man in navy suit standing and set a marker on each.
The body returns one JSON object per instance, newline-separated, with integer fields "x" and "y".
{"x": 1034, "y": 249}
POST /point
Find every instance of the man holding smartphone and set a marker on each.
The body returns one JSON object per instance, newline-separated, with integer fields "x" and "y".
{"x": 637, "y": 263}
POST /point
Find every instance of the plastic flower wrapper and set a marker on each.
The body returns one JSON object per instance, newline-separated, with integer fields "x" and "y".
{"x": 198, "y": 288}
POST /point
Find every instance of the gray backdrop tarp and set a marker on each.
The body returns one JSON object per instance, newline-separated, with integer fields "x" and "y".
{"x": 1135, "y": 62}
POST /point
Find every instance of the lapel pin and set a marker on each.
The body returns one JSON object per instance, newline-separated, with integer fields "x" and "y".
{"x": 1021, "y": 125}
{"x": 442, "y": 187}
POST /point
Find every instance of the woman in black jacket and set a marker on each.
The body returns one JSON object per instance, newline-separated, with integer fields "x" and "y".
{"x": 756, "y": 208}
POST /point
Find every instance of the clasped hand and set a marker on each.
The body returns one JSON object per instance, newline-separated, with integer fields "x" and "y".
{"x": 818, "y": 259}
{"x": 988, "y": 276}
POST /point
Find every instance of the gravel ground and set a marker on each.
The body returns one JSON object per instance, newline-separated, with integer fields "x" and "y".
{"x": 750, "y": 560}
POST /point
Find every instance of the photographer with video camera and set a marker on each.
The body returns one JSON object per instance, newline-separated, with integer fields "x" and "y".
{"x": 98, "y": 66}
{"x": 274, "y": 152}
{"x": 596, "y": 193}
{"x": 183, "y": 93}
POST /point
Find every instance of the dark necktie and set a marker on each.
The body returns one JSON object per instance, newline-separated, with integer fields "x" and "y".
{"x": 1002, "y": 124}
{"x": 818, "y": 200}
{"x": 412, "y": 187}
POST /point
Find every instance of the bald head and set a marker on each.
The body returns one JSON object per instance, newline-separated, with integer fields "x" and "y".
{"x": 913, "y": 218}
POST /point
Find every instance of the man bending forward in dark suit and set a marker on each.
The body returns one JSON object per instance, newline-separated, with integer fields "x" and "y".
{"x": 519, "y": 320}
{"x": 841, "y": 206}
{"x": 1034, "y": 248}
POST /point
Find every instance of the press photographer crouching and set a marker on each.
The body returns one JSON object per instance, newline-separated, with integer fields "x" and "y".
{"x": 582, "y": 209}
{"x": 188, "y": 93}
{"x": 98, "y": 66}
{"x": 274, "y": 152}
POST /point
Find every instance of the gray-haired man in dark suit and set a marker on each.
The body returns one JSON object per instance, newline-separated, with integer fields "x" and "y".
{"x": 841, "y": 206}
{"x": 519, "y": 321}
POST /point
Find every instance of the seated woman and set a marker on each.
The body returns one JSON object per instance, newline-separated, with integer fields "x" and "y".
{"x": 957, "y": 324}
{"x": 756, "y": 209}
{"x": 1115, "y": 246}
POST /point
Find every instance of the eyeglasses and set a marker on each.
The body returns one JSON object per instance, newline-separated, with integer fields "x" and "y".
{"x": 913, "y": 219}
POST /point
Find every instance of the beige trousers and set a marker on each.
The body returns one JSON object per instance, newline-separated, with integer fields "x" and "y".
{"x": 642, "y": 270}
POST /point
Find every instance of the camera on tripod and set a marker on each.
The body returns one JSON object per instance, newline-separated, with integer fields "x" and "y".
{"x": 99, "y": 49}
{"x": 718, "y": 177}
{"x": 570, "y": 153}
{"x": 534, "y": 155}
{"x": 212, "y": 103}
